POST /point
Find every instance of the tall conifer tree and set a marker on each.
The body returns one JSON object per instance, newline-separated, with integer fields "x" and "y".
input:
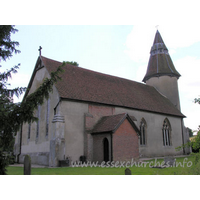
{"x": 13, "y": 115}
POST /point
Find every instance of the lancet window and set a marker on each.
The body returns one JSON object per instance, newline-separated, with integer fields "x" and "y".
{"x": 143, "y": 131}
{"x": 166, "y": 133}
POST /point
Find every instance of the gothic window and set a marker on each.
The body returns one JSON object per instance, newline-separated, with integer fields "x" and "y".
{"x": 29, "y": 130}
{"x": 47, "y": 117}
{"x": 38, "y": 122}
{"x": 143, "y": 129}
{"x": 166, "y": 133}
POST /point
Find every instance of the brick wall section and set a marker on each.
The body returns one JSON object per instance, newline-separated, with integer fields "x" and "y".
{"x": 95, "y": 112}
{"x": 125, "y": 143}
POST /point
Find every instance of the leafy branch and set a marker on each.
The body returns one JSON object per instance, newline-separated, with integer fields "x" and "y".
{"x": 24, "y": 112}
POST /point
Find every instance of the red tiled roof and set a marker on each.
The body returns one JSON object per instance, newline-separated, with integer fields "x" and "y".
{"x": 111, "y": 123}
{"x": 108, "y": 123}
{"x": 86, "y": 85}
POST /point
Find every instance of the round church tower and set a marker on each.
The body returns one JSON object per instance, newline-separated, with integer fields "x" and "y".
{"x": 161, "y": 72}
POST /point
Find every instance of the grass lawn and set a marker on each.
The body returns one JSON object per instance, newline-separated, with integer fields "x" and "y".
{"x": 12, "y": 170}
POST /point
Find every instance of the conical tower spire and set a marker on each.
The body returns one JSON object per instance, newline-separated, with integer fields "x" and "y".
{"x": 158, "y": 39}
{"x": 160, "y": 63}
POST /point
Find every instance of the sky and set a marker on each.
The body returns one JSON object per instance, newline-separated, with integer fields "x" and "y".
{"x": 119, "y": 50}
{"x": 112, "y": 37}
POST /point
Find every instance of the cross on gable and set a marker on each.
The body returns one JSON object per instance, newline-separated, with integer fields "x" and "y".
{"x": 40, "y": 48}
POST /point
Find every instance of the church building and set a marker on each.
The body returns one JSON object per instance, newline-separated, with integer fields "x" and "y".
{"x": 97, "y": 117}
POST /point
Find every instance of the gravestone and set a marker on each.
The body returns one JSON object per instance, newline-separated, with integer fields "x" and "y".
{"x": 27, "y": 165}
{"x": 170, "y": 161}
{"x": 127, "y": 171}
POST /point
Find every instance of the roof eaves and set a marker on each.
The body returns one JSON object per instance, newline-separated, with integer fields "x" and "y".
{"x": 120, "y": 106}
{"x": 160, "y": 74}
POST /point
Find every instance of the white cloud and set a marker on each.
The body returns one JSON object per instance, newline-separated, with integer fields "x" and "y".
{"x": 139, "y": 43}
{"x": 189, "y": 81}
{"x": 19, "y": 80}
{"x": 140, "y": 40}
{"x": 179, "y": 36}
{"x": 189, "y": 89}
{"x": 141, "y": 73}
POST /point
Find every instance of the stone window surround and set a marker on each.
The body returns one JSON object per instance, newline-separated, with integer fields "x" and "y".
{"x": 143, "y": 130}
{"x": 166, "y": 132}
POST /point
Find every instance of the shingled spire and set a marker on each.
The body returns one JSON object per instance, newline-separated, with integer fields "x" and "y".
{"x": 161, "y": 73}
{"x": 160, "y": 63}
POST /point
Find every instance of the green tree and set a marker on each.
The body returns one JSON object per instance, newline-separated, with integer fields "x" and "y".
{"x": 190, "y": 132}
{"x": 196, "y": 140}
{"x": 195, "y": 143}
{"x": 197, "y": 100}
{"x": 72, "y": 63}
{"x": 13, "y": 115}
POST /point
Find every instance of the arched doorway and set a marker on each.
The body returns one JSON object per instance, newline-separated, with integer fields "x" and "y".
{"x": 106, "y": 149}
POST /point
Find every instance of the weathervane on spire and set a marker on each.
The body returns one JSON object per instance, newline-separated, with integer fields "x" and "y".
{"x": 40, "y": 48}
